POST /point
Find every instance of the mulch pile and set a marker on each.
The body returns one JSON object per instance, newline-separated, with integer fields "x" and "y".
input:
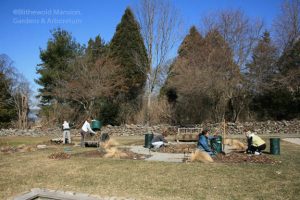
{"x": 129, "y": 154}
{"x": 59, "y": 156}
{"x": 178, "y": 148}
{"x": 236, "y": 157}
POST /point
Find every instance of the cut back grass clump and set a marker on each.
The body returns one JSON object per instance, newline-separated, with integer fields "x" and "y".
{"x": 201, "y": 156}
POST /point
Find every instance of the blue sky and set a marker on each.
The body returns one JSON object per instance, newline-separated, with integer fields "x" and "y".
{"x": 21, "y": 40}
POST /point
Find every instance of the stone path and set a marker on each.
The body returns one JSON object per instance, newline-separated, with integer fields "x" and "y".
{"x": 292, "y": 140}
{"x": 157, "y": 156}
{"x": 37, "y": 193}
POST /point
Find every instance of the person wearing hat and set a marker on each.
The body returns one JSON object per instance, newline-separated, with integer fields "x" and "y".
{"x": 255, "y": 143}
{"x": 203, "y": 144}
{"x": 66, "y": 133}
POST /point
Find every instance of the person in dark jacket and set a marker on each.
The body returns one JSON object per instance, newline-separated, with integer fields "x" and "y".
{"x": 203, "y": 144}
{"x": 159, "y": 140}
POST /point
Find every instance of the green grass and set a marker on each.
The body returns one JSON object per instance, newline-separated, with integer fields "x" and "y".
{"x": 138, "y": 179}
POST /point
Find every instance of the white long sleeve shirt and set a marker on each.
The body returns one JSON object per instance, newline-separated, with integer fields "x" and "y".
{"x": 87, "y": 127}
{"x": 66, "y": 126}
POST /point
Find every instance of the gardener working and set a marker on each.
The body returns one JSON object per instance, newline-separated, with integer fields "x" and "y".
{"x": 203, "y": 142}
{"x": 86, "y": 129}
{"x": 159, "y": 140}
{"x": 66, "y": 132}
{"x": 255, "y": 143}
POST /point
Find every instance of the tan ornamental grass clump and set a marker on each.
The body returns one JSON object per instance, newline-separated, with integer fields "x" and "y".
{"x": 109, "y": 144}
{"x": 235, "y": 144}
{"x": 111, "y": 149}
{"x": 201, "y": 156}
{"x": 113, "y": 152}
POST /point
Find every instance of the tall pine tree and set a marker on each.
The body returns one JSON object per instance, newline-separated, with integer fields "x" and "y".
{"x": 191, "y": 43}
{"x": 61, "y": 49}
{"x": 128, "y": 50}
{"x": 95, "y": 49}
{"x": 189, "y": 52}
{"x": 263, "y": 65}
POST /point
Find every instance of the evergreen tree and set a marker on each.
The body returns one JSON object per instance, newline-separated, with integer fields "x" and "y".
{"x": 263, "y": 65}
{"x": 191, "y": 43}
{"x": 61, "y": 49}
{"x": 289, "y": 67}
{"x": 204, "y": 77}
{"x": 188, "y": 51}
{"x": 128, "y": 50}
{"x": 95, "y": 48}
{"x": 8, "y": 112}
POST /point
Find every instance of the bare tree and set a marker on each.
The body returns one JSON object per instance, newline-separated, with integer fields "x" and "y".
{"x": 287, "y": 24}
{"x": 242, "y": 34}
{"x": 238, "y": 30}
{"x": 21, "y": 94}
{"x": 85, "y": 83}
{"x": 160, "y": 27}
{"x": 19, "y": 89}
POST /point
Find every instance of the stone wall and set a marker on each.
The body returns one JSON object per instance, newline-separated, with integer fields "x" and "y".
{"x": 268, "y": 127}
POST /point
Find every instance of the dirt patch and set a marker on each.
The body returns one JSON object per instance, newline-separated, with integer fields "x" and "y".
{"x": 126, "y": 154}
{"x": 59, "y": 156}
{"x": 239, "y": 157}
{"x": 14, "y": 149}
{"x": 177, "y": 148}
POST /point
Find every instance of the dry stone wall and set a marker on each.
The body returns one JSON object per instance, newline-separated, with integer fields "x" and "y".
{"x": 267, "y": 127}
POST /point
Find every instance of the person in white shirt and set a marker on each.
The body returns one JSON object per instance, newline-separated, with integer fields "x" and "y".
{"x": 86, "y": 129}
{"x": 66, "y": 132}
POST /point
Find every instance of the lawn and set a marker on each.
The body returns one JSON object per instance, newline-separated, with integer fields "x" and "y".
{"x": 140, "y": 179}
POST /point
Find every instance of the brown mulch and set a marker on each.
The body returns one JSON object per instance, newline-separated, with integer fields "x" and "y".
{"x": 177, "y": 148}
{"x": 100, "y": 154}
{"x": 238, "y": 157}
{"x": 59, "y": 156}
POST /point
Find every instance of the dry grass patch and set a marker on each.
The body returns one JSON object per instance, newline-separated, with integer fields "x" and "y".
{"x": 20, "y": 172}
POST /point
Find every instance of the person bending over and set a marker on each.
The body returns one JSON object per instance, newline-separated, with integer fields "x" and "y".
{"x": 255, "y": 143}
{"x": 159, "y": 140}
{"x": 86, "y": 129}
{"x": 203, "y": 144}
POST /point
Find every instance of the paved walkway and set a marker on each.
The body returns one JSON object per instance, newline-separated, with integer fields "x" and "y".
{"x": 156, "y": 156}
{"x": 35, "y": 193}
{"x": 292, "y": 140}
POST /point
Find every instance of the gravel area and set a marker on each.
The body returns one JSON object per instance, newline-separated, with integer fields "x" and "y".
{"x": 156, "y": 156}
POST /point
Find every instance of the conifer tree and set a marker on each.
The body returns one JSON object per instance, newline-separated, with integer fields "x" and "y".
{"x": 191, "y": 43}
{"x": 7, "y": 109}
{"x": 61, "y": 49}
{"x": 263, "y": 66}
{"x": 95, "y": 48}
{"x": 188, "y": 51}
{"x": 128, "y": 50}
